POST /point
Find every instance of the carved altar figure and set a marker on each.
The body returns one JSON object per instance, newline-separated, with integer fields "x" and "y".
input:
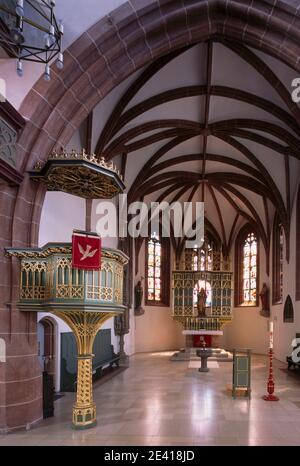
{"x": 201, "y": 302}
{"x": 265, "y": 301}
{"x": 138, "y": 295}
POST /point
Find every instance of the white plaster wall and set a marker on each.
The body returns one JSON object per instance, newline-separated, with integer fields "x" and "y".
{"x": 130, "y": 346}
{"x": 248, "y": 328}
{"x": 284, "y": 333}
{"x": 61, "y": 214}
{"x": 155, "y": 330}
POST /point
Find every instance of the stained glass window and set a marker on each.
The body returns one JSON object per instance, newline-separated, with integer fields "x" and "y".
{"x": 249, "y": 267}
{"x": 278, "y": 255}
{"x": 201, "y": 259}
{"x": 154, "y": 269}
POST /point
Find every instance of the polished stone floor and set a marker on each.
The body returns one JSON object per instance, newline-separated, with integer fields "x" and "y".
{"x": 159, "y": 402}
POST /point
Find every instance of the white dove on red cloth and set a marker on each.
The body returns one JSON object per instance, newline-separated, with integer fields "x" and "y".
{"x": 86, "y": 251}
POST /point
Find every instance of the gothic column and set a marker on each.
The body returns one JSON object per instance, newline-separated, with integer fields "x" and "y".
{"x": 85, "y": 326}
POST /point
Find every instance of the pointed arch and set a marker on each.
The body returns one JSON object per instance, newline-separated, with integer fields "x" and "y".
{"x": 247, "y": 267}
{"x": 288, "y": 311}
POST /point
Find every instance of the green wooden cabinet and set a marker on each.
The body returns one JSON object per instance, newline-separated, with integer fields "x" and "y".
{"x": 241, "y": 378}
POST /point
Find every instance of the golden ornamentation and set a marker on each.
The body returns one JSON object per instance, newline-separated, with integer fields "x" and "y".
{"x": 74, "y": 155}
{"x": 36, "y": 292}
{"x": 85, "y": 326}
{"x": 80, "y": 174}
{"x": 58, "y": 249}
{"x": 81, "y": 182}
{"x": 99, "y": 293}
{"x": 184, "y": 283}
{"x": 66, "y": 291}
{"x": 213, "y": 260}
{"x": 38, "y": 253}
{"x": 83, "y": 299}
{"x": 34, "y": 267}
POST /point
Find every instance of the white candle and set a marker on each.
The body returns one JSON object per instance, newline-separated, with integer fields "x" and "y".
{"x": 271, "y": 334}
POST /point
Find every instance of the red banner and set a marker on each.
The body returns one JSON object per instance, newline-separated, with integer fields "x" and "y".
{"x": 86, "y": 252}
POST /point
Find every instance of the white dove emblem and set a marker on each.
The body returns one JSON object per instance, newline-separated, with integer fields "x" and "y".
{"x": 85, "y": 254}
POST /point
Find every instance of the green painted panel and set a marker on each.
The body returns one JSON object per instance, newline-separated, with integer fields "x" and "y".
{"x": 68, "y": 364}
{"x": 242, "y": 371}
{"x": 242, "y": 363}
{"x": 242, "y": 379}
{"x": 102, "y": 349}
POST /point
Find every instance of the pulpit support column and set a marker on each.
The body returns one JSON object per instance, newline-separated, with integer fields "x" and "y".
{"x": 85, "y": 326}
{"x": 84, "y": 410}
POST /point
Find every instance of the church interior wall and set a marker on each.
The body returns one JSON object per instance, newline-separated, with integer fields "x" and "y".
{"x": 248, "y": 328}
{"x": 156, "y": 330}
{"x": 284, "y": 332}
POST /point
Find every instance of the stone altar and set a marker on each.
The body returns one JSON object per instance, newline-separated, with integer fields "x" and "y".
{"x": 190, "y": 352}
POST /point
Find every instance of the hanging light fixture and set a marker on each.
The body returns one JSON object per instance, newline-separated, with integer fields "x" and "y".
{"x": 30, "y": 31}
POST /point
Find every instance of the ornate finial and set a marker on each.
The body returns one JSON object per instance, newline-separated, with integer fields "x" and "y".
{"x": 38, "y": 165}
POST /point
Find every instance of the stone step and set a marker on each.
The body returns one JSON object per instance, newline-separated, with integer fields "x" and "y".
{"x": 218, "y": 355}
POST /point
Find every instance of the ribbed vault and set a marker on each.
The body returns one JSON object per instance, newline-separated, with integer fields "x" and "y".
{"x": 238, "y": 178}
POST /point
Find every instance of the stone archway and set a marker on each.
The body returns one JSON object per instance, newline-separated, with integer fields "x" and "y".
{"x": 50, "y": 344}
{"x": 135, "y": 34}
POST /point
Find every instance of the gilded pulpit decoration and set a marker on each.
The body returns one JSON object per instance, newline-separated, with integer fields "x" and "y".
{"x": 84, "y": 299}
{"x": 202, "y": 288}
{"x": 8, "y": 139}
{"x": 201, "y": 302}
{"x": 81, "y": 174}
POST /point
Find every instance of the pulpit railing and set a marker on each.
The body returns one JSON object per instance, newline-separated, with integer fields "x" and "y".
{"x": 83, "y": 299}
{"x": 49, "y": 276}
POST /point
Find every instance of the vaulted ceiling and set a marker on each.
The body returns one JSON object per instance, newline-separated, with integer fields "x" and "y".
{"x": 215, "y": 123}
